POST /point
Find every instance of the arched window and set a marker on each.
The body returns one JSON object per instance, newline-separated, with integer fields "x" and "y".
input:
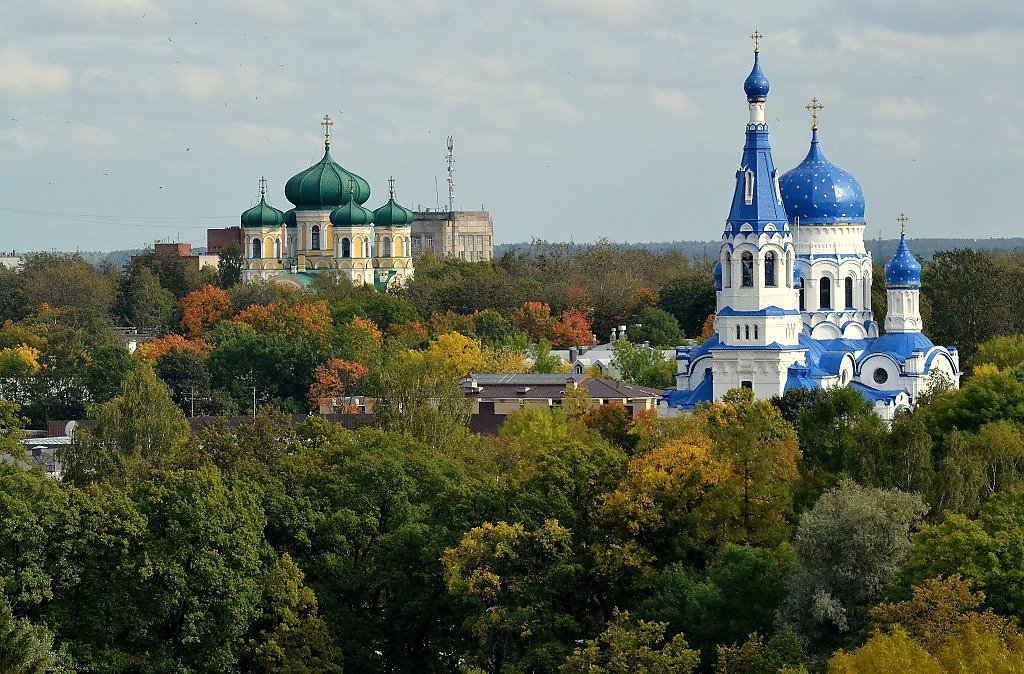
{"x": 727, "y": 271}
{"x": 398, "y": 246}
{"x": 755, "y": 331}
{"x": 769, "y": 269}
{"x": 366, "y": 248}
{"x": 825, "y": 293}
{"x": 746, "y": 332}
{"x": 802, "y": 294}
{"x": 849, "y": 292}
{"x": 747, "y": 262}
{"x": 748, "y": 188}
{"x": 346, "y": 247}
{"x": 737, "y": 332}
{"x": 257, "y": 249}
{"x": 315, "y": 235}
{"x": 277, "y": 248}
{"x": 386, "y": 246}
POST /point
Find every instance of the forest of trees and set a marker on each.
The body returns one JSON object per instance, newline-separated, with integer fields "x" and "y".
{"x": 798, "y": 534}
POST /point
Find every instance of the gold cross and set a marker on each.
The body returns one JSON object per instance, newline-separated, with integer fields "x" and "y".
{"x": 814, "y": 106}
{"x": 327, "y": 124}
{"x": 391, "y": 186}
{"x": 757, "y": 40}
{"x": 263, "y": 186}
{"x": 902, "y": 219}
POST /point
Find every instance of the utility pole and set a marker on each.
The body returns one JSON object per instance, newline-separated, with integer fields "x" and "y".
{"x": 192, "y": 397}
{"x": 253, "y": 402}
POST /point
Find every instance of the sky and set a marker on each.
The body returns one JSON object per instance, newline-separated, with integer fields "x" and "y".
{"x": 125, "y": 122}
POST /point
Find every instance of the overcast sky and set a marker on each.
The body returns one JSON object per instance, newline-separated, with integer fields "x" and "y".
{"x": 128, "y": 121}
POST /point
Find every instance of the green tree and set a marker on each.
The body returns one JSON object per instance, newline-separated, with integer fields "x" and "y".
{"x": 1003, "y": 351}
{"x": 628, "y": 647}
{"x": 690, "y": 298}
{"x": 643, "y": 365}
{"x": 142, "y": 302}
{"x": 25, "y": 648}
{"x": 65, "y": 281}
{"x": 962, "y": 272}
{"x": 139, "y": 429}
{"x": 229, "y": 266}
{"x": 849, "y": 546}
{"x": 657, "y": 327}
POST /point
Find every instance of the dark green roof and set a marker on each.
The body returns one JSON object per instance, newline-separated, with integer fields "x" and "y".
{"x": 392, "y": 215}
{"x": 351, "y": 214}
{"x": 325, "y": 185}
{"x": 262, "y": 215}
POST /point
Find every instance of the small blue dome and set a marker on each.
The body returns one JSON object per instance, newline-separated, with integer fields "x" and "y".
{"x": 903, "y": 270}
{"x": 819, "y": 192}
{"x": 756, "y": 84}
{"x": 718, "y": 275}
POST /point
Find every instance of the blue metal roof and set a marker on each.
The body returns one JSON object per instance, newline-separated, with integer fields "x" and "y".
{"x": 898, "y": 344}
{"x": 819, "y": 192}
{"x": 756, "y": 85}
{"x": 903, "y": 270}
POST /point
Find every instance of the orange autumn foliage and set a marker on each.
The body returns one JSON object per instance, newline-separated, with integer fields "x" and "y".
{"x": 202, "y": 308}
{"x": 534, "y": 318}
{"x": 370, "y": 327}
{"x": 708, "y": 330}
{"x": 155, "y": 348}
{"x": 306, "y": 318}
{"x": 573, "y": 328}
{"x": 336, "y": 378}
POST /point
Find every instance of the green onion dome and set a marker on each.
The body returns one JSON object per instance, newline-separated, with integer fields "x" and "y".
{"x": 391, "y": 214}
{"x": 262, "y": 214}
{"x": 351, "y": 214}
{"x": 325, "y": 185}
{"x": 289, "y": 218}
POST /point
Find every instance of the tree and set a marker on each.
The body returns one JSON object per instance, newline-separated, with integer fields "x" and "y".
{"x": 200, "y": 309}
{"x": 657, "y": 327}
{"x": 1003, "y": 351}
{"x": 955, "y": 274}
{"x": 336, "y": 378}
{"x": 642, "y": 365}
{"x": 142, "y": 302}
{"x": 544, "y": 362}
{"x": 849, "y": 546}
{"x": 572, "y": 329}
{"x": 534, "y": 318}
{"x": 626, "y": 647}
{"x": 139, "y": 429}
{"x": 25, "y": 648}
{"x": 154, "y": 349}
{"x": 229, "y": 266}
{"x": 690, "y": 298}
{"x": 66, "y": 281}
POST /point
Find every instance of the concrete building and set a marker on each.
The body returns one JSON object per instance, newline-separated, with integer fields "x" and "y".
{"x": 467, "y": 235}
{"x": 184, "y": 252}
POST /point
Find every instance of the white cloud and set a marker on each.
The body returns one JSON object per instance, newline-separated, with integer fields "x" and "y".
{"x": 672, "y": 101}
{"x": 902, "y": 109}
{"x": 247, "y": 136}
{"x": 92, "y": 138}
{"x": 22, "y": 76}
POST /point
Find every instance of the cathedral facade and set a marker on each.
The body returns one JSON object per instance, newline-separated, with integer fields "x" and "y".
{"x": 328, "y": 228}
{"x": 793, "y": 287}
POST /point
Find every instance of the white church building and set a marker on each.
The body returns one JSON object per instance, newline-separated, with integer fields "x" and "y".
{"x": 793, "y": 286}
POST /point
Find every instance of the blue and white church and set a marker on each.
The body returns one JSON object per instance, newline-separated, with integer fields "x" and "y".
{"x": 793, "y": 286}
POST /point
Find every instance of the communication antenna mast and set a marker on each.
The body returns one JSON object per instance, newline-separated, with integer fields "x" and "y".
{"x": 450, "y": 158}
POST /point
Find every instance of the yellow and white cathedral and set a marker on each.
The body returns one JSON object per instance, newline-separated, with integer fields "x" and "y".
{"x": 328, "y": 229}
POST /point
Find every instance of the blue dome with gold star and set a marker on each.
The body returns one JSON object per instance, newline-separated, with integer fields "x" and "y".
{"x": 819, "y": 192}
{"x": 903, "y": 270}
{"x": 756, "y": 84}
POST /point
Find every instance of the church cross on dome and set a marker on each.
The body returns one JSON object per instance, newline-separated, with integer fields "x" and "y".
{"x": 756, "y": 36}
{"x": 902, "y": 219}
{"x": 391, "y": 186}
{"x": 327, "y": 124}
{"x": 814, "y": 106}
{"x": 263, "y": 186}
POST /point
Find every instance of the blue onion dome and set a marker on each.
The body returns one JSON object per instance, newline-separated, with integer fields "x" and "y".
{"x": 903, "y": 270}
{"x": 756, "y": 84}
{"x": 391, "y": 214}
{"x": 718, "y": 275}
{"x": 325, "y": 185}
{"x": 819, "y": 192}
{"x": 351, "y": 214}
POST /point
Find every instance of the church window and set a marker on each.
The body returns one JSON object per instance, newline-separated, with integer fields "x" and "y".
{"x": 277, "y": 248}
{"x": 748, "y": 191}
{"x": 386, "y": 245}
{"x": 769, "y": 269}
{"x": 737, "y": 332}
{"x": 346, "y": 247}
{"x": 747, "y": 263}
{"x": 880, "y": 376}
{"x": 825, "y": 293}
{"x": 746, "y": 383}
{"x": 316, "y": 237}
{"x": 801, "y": 294}
{"x": 727, "y": 271}
{"x": 849, "y": 292}
{"x": 746, "y": 332}
{"x": 257, "y": 248}
{"x": 755, "y": 332}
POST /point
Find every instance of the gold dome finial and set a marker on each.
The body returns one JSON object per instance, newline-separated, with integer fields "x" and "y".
{"x": 814, "y": 106}
{"x": 327, "y": 124}
{"x": 756, "y": 36}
